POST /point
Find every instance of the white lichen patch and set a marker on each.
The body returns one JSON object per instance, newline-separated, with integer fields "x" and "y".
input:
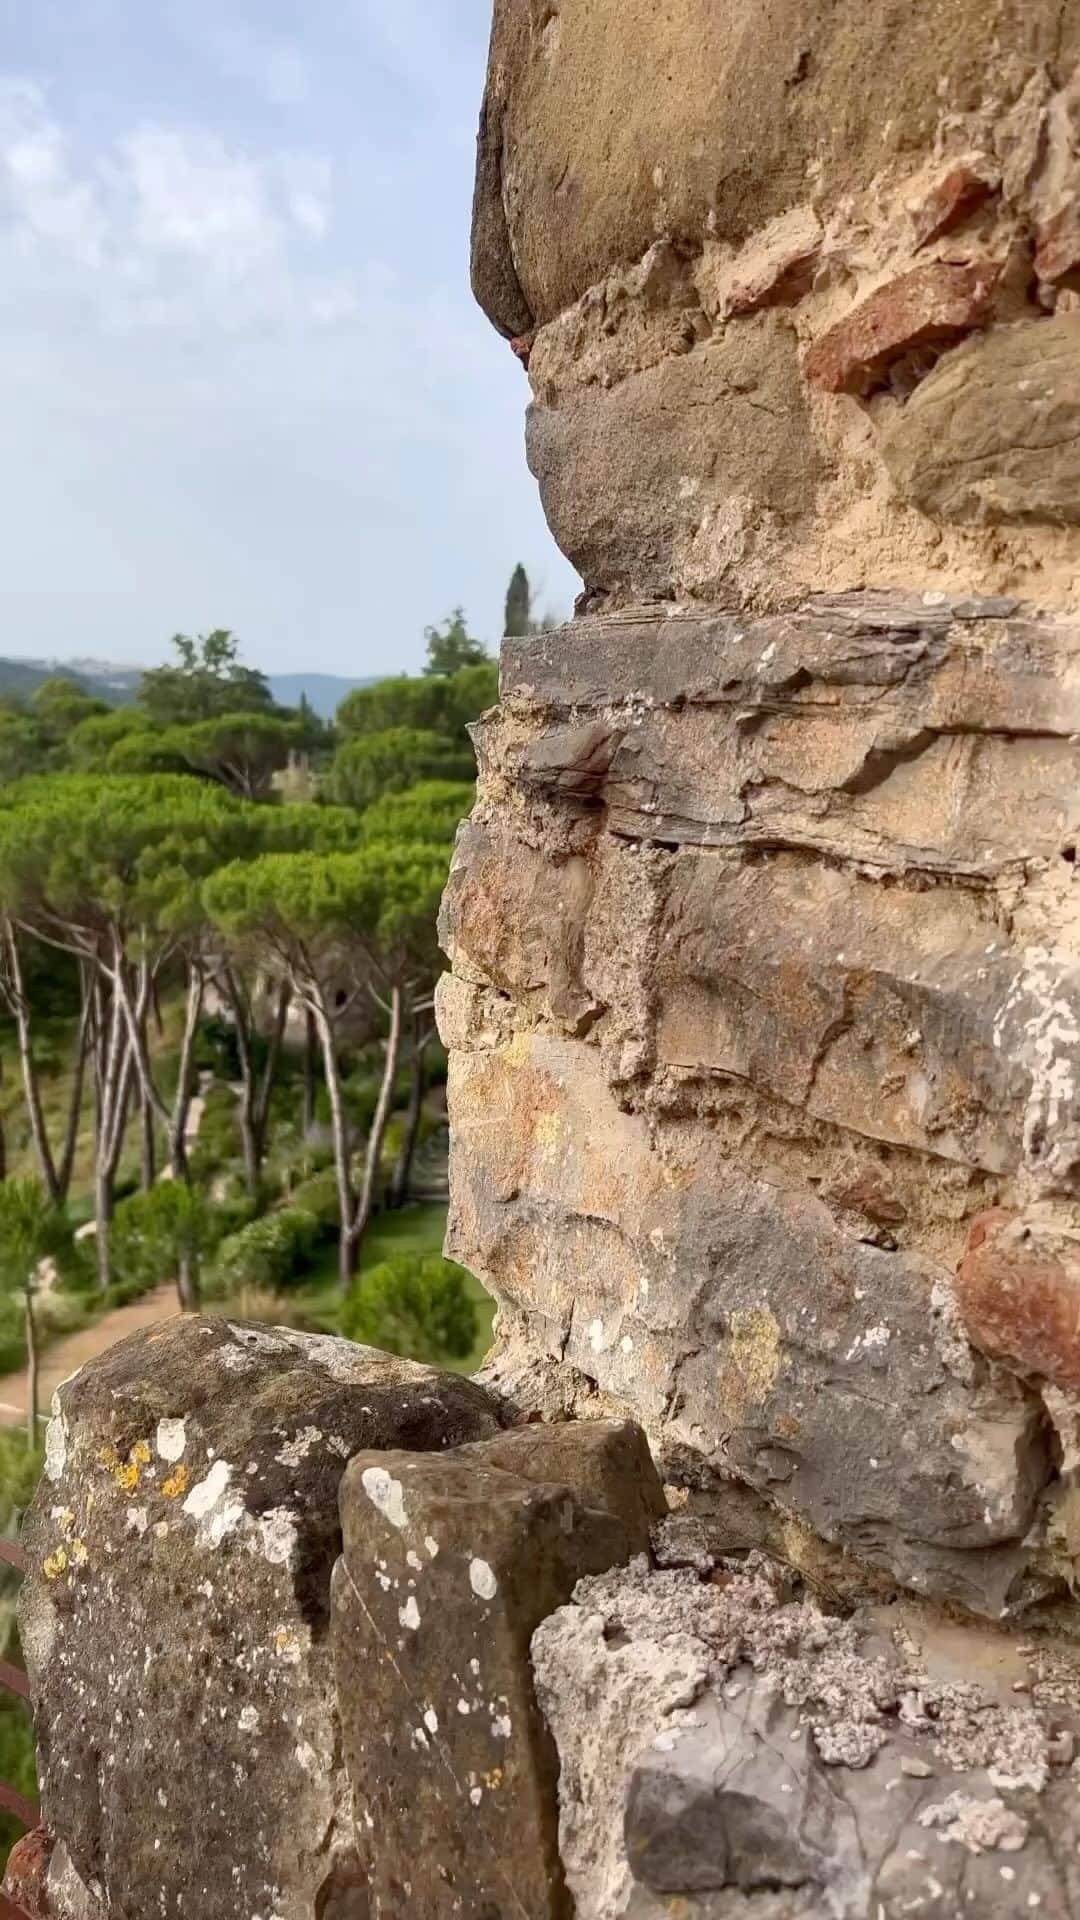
{"x": 171, "y": 1440}
{"x": 482, "y": 1580}
{"x": 299, "y": 1447}
{"x": 56, "y": 1435}
{"x": 137, "y": 1520}
{"x": 409, "y": 1614}
{"x": 217, "y": 1512}
{"x": 431, "y": 1547}
{"x": 249, "y": 1720}
{"x": 431, "y": 1720}
{"x": 277, "y": 1535}
{"x": 387, "y": 1494}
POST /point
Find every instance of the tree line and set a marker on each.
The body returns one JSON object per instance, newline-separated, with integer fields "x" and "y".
{"x": 149, "y": 858}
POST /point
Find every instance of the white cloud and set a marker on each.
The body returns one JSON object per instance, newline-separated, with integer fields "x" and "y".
{"x": 275, "y": 68}
{"x": 170, "y": 227}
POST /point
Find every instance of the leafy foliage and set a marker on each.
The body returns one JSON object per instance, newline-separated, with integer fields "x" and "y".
{"x": 419, "y": 1305}
{"x": 269, "y": 1253}
{"x": 153, "y": 1231}
{"x": 430, "y": 812}
{"x": 374, "y": 764}
{"x": 439, "y": 703}
{"x": 450, "y": 647}
{"x": 206, "y": 681}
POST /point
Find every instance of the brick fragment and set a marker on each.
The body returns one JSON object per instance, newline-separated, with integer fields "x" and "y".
{"x": 1018, "y": 1291}
{"x": 1057, "y": 247}
{"x": 932, "y": 305}
{"x": 958, "y": 193}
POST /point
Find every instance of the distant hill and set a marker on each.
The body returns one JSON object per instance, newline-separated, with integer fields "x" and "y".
{"x": 325, "y": 691}
{"x": 20, "y": 679}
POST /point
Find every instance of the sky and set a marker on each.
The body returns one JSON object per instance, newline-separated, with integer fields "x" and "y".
{"x": 244, "y": 381}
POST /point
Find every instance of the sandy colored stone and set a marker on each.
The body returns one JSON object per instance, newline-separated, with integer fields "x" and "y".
{"x": 607, "y": 125}
{"x": 688, "y": 469}
{"x": 993, "y": 434}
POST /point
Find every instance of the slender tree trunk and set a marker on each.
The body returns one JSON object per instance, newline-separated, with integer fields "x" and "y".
{"x": 21, "y": 1011}
{"x": 83, "y": 1046}
{"x": 3, "y": 1132}
{"x": 148, "y": 1146}
{"x": 339, "y": 1123}
{"x": 254, "y": 1112}
{"x": 384, "y": 1108}
{"x": 114, "y": 1068}
{"x": 31, "y": 1365}
{"x": 310, "y": 1039}
{"x": 181, "y": 1104}
{"x": 399, "y": 1180}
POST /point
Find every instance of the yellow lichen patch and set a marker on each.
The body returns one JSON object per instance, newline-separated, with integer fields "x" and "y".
{"x": 547, "y": 1131}
{"x": 109, "y": 1458}
{"x": 79, "y": 1554}
{"x": 65, "y": 1520}
{"x": 751, "y": 1364}
{"x": 127, "y": 1478}
{"x": 494, "y": 1779}
{"x": 140, "y": 1454}
{"x": 55, "y": 1564}
{"x": 176, "y": 1484}
{"x": 517, "y": 1050}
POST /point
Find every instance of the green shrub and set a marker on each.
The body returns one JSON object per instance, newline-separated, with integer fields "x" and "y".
{"x": 269, "y": 1253}
{"x": 414, "y": 1304}
{"x": 151, "y": 1231}
{"x": 319, "y": 1196}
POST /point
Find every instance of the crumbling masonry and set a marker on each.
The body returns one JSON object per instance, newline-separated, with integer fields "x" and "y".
{"x": 765, "y": 1027}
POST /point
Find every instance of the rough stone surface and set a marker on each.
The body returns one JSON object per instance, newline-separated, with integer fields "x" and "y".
{"x": 175, "y": 1620}
{"x": 928, "y": 306}
{"x": 724, "y": 1751}
{"x": 766, "y": 986}
{"x": 993, "y": 434}
{"x": 448, "y": 1566}
{"x": 651, "y": 190}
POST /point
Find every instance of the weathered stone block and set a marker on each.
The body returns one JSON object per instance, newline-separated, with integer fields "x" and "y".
{"x": 993, "y": 434}
{"x": 724, "y": 1751}
{"x": 448, "y": 1566}
{"x": 176, "y": 1616}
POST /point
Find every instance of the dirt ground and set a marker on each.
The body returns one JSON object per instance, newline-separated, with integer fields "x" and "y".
{"x": 67, "y": 1356}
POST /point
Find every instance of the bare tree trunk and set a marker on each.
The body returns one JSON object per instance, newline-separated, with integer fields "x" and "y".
{"x": 384, "y": 1108}
{"x": 254, "y": 1111}
{"x": 16, "y": 997}
{"x": 309, "y": 1072}
{"x": 113, "y": 1072}
{"x": 83, "y": 1044}
{"x": 178, "y": 1119}
{"x": 339, "y": 1123}
{"x": 399, "y": 1179}
{"x": 148, "y": 1172}
{"x": 31, "y": 1364}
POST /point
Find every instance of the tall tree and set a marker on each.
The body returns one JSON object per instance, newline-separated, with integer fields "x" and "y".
{"x": 32, "y": 1229}
{"x": 371, "y": 765}
{"x": 435, "y": 703}
{"x": 450, "y": 646}
{"x": 110, "y": 870}
{"x": 336, "y": 925}
{"x": 206, "y": 681}
{"x": 518, "y": 620}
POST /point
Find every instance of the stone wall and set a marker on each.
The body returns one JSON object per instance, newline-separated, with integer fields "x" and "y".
{"x": 765, "y": 1008}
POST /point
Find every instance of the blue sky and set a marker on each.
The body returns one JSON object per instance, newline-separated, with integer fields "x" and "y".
{"x": 244, "y": 381}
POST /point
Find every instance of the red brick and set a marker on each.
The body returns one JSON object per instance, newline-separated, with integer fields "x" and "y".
{"x": 931, "y": 305}
{"x": 1057, "y": 247}
{"x": 1018, "y": 1291}
{"x": 952, "y": 198}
